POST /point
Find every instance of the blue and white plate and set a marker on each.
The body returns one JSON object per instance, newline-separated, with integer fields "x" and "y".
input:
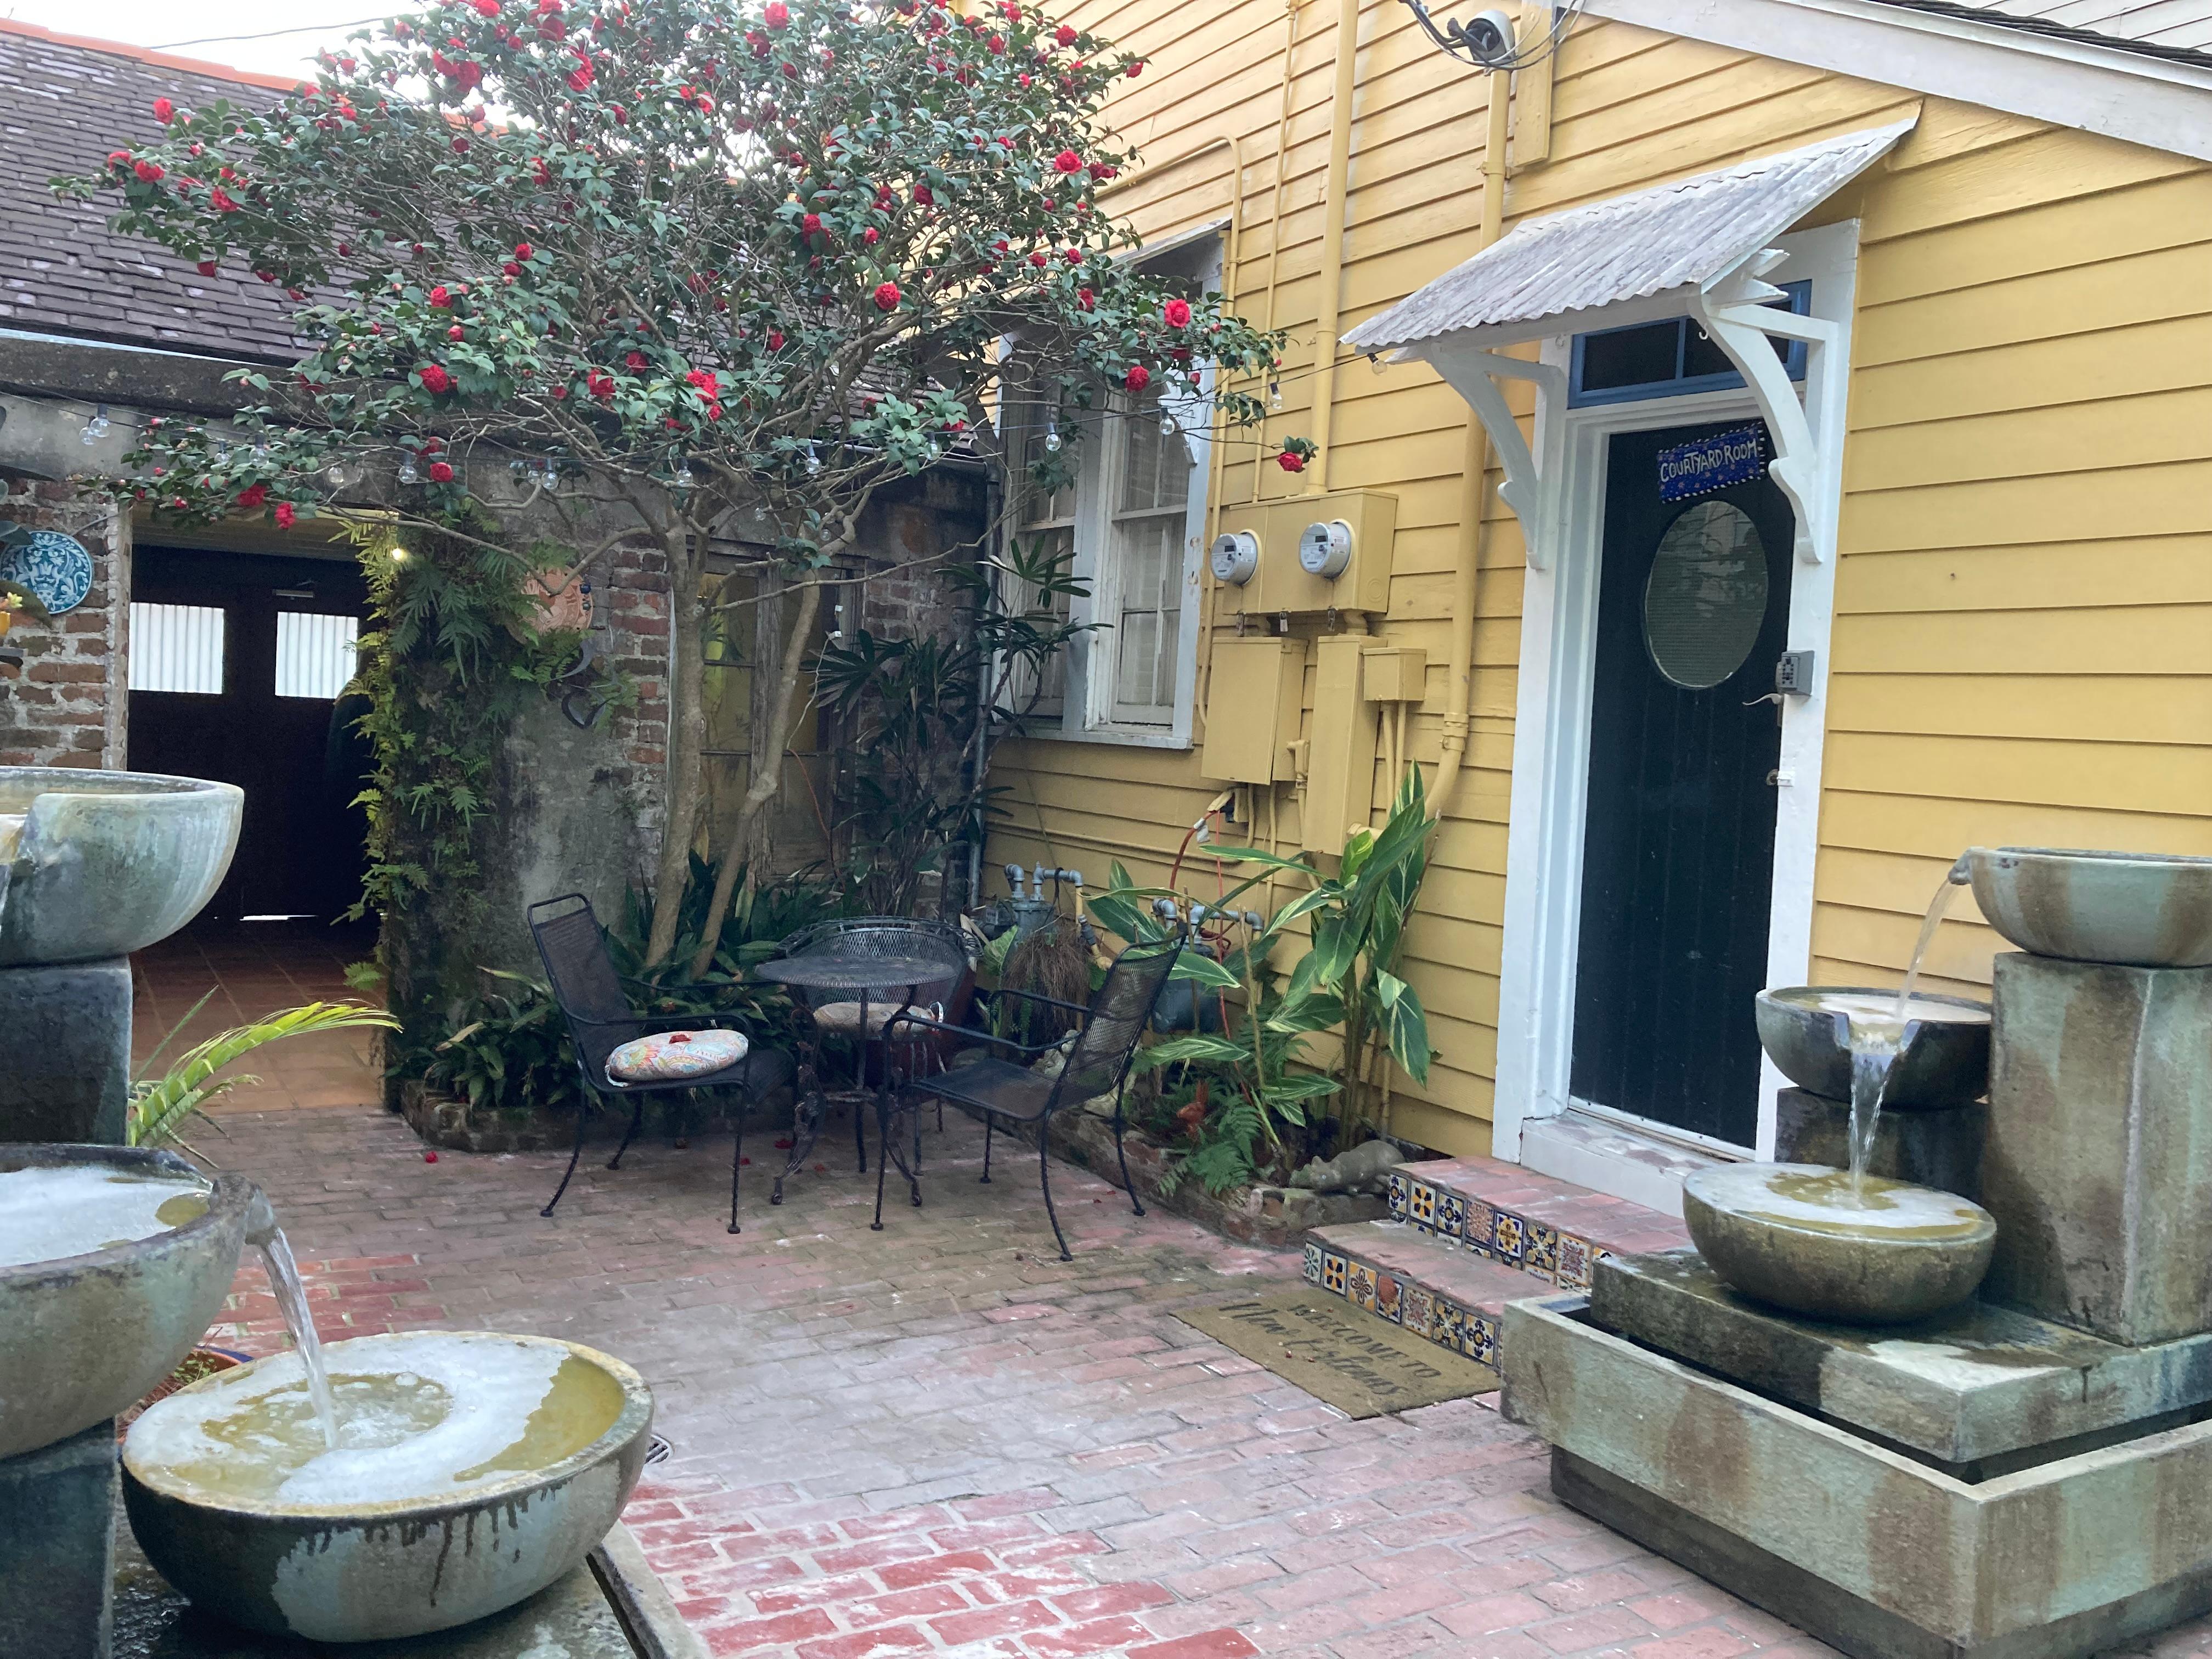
{"x": 53, "y": 566}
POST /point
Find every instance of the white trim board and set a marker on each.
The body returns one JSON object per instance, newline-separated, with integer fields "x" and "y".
{"x": 1551, "y": 762}
{"x": 2143, "y": 100}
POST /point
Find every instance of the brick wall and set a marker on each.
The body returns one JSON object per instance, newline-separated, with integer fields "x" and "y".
{"x": 631, "y": 596}
{"x": 66, "y": 705}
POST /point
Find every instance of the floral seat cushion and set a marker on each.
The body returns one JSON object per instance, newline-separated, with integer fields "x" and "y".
{"x": 671, "y": 1054}
{"x": 844, "y": 1018}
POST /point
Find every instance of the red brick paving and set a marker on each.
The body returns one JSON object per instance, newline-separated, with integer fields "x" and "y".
{"x": 939, "y": 1439}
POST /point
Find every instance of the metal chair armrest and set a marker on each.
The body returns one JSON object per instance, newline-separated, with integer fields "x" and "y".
{"x": 1035, "y": 996}
{"x": 967, "y": 1031}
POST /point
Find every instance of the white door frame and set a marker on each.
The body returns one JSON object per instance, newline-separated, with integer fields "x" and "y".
{"x": 1537, "y": 1121}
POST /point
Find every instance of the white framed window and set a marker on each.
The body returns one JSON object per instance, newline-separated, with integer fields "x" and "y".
{"x": 1132, "y": 509}
{"x": 175, "y": 647}
{"x": 315, "y": 653}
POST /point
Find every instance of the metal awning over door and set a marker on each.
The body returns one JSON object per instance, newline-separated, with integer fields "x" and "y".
{"x": 1698, "y": 247}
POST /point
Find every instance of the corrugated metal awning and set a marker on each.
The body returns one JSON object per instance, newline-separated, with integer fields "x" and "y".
{"x": 1629, "y": 247}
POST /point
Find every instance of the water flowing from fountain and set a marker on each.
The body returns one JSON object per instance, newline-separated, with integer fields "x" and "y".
{"x": 266, "y": 1236}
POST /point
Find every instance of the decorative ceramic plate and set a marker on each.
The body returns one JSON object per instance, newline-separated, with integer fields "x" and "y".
{"x": 53, "y": 566}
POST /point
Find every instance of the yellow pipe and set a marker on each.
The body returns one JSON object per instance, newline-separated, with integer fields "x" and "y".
{"x": 1275, "y": 217}
{"x": 1334, "y": 204}
{"x": 1459, "y": 681}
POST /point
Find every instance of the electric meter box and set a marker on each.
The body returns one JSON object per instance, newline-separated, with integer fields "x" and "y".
{"x": 1393, "y": 673}
{"x": 1254, "y": 695}
{"x": 1283, "y": 580}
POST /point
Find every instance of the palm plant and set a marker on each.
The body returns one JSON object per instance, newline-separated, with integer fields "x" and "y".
{"x": 160, "y": 1106}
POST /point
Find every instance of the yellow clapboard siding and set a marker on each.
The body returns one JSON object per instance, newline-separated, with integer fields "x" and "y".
{"x": 2124, "y": 502}
{"x": 2104, "y": 291}
{"x": 2091, "y": 366}
{"x": 2143, "y": 777}
{"x": 2082, "y": 437}
{"x": 2111, "y": 708}
{"x": 2132, "y": 639}
{"x": 2168, "y": 570}
{"x": 1943, "y": 826}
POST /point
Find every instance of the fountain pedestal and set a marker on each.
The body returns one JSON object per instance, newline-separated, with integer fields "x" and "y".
{"x": 68, "y": 1072}
{"x": 58, "y": 1546}
{"x": 2099, "y": 1162}
{"x": 1942, "y": 1149}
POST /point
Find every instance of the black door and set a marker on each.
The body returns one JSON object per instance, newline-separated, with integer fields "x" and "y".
{"x": 1677, "y": 852}
{"x": 262, "y": 713}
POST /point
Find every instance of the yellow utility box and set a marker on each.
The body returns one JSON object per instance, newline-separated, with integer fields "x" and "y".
{"x": 1394, "y": 673}
{"x": 1329, "y": 552}
{"x": 1340, "y": 765}
{"x": 1253, "y": 701}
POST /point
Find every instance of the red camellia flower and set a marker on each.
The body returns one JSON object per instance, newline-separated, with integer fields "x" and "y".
{"x": 511, "y": 269}
{"x": 1085, "y": 298}
{"x": 454, "y": 332}
{"x": 436, "y": 380}
{"x": 164, "y": 111}
{"x": 1075, "y": 256}
{"x": 871, "y": 236}
{"x": 149, "y": 171}
{"x": 580, "y": 76}
{"x": 1036, "y": 259}
{"x": 523, "y": 250}
{"x": 997, "y": 44}
{"x": 286, "y": 512}
{"x": 1290, "y": 461}
{"x": 706, "y": 381}
{"x": 887, "y": 296}
{"x": 1065, "y": 35}
{"x": 775, "y": 339}
{"x": 1178, "y": 313}
{"x": 441, "y": 472}
{"x": 207, "y": 267}
{"x": 221, "y": 203}
{"x": 922, "y": 195}
{"x": 635, "y": 363}
{"x": 778, "y": 16}
{"x": 1136, "y": 69}
{"x": 1068, "y": 162}
{"x": 253, "y": 495}
{"x": 486, "y": 7}
{"x": 600, "y": 384}
{"x": 1138, "y": 378}
{"x": 460, "y": 146}
{"x": 811, "y": 225}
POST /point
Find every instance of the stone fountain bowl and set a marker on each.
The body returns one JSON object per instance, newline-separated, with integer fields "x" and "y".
{"x": 2134, "y": 910}
{"x": 1944, "y": 1062}
{"x": 372, "y": 1571}
{"x": 101, "y": 864}
{"x": 1793, "y": 1248}
{"x": 85, "y": 1337}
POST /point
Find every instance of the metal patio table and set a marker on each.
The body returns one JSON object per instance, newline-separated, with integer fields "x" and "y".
{"x": 826, "y": 968}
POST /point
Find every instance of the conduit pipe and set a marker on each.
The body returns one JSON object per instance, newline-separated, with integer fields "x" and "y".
{"x": 1275, "y": 215}
{"x": 1474, "y": 481}
{"x": 1334, "y": 204}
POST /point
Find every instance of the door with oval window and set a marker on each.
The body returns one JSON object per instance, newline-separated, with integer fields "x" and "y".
{"x": 1678, "y": 848}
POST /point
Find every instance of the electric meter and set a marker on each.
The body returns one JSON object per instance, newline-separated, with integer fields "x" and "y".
{"x": 1326, "y": 548}
{"x": 1236, "y": 556}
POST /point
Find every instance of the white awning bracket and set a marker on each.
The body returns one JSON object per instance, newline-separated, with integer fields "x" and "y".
{"x": 1474, "y": 375}
{"x": 1736, "y": 312}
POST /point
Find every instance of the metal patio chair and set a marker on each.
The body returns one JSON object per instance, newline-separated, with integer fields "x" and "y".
{"x": 601, "y": 1018}
{"x": 1097, "y": 1064}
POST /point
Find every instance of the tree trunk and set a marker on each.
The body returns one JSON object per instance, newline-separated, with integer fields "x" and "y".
{"x": 767, "y": 773}
{"x": 687, "y": 734}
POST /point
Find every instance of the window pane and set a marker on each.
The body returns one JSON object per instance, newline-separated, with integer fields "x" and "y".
{"x": 175, "y": 647}
{"x": 1148, "y": 552}
{"x": 315, "y": 653}
{"x": 1155, "y": 465}
{"x": 1630, "y": 356}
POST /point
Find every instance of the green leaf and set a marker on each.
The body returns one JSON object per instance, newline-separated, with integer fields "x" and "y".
{"x": 1407, "y": 1025}
{"x": 1202, "y": 969}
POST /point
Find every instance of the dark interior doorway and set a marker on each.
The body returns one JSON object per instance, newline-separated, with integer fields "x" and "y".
{"x": 238, "y": 666}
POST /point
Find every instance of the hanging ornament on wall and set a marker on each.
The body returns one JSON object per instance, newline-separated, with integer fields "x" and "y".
{"x": 55, "y": 567}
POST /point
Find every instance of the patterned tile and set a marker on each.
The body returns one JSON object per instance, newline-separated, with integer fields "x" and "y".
{"x": 1417, "y": 1309}
{"x": 1390, "y": 1297}
{"x": 1313, "y": 1262}
{"x": 1421, "y": 1204}
{"x": 1451, "y": 1215}
{"x": 1574, "y": 1273}
{"x": 1398, "y": 1194}
{"x": 1509, "y": 1238}
{"x": 1479, "y": 1228}
{"x": 1331, "y": 1272}
{"x": 1446, "y": 1320}
{"x": 1542, "y": 1256}
{"x": 1360, "y": 1288}
{"x": 1478, "y": 1339}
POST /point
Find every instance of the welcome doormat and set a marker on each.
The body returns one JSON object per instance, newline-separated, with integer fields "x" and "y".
{"x": 1362, "y": 1365}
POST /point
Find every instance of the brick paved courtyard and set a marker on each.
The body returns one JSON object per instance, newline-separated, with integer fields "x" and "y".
{"x": 940, "y": 1439}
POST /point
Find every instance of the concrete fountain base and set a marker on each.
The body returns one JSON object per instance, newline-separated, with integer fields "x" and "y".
{"x": 610, "y": 1607}
{"x": 57, "y": 1547}
{"x": 1875, "y": 1550}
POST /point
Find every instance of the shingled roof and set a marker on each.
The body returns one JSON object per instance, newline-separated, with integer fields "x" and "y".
{"x": 65, "y": 102}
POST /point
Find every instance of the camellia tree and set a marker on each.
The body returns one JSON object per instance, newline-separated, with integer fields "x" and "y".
{"x": 705, "y": 274}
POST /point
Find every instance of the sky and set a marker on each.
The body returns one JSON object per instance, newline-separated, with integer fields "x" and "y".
{"x": 168, "y": 23}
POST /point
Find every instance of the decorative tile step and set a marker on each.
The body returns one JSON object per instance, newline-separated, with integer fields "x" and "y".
{"x": 1552, "y": 1230}
{"x": 1418, "y": 1280}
